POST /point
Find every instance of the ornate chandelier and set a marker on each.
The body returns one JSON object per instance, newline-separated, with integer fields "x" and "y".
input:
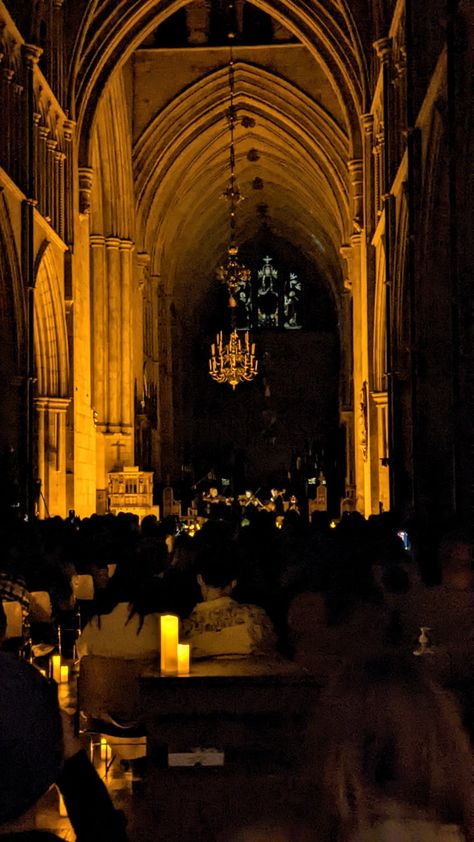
{"x": 233, "y": 361}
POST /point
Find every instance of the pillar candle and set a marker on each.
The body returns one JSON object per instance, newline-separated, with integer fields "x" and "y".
{"x": 169, "y": 644}
{"x": 64, "y": 674}
{"x": 103, "y": 748}
{"x": 56, "y": 667}
{"x": 183, "y": 658}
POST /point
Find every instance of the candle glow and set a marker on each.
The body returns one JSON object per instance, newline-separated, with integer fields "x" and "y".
{"x": 183, "y": 658}
{"x": 56, "y": 667}
{"x": 169, "y": 644}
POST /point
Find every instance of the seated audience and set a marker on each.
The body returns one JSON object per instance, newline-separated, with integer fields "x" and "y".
{"x": 447, "y": 609}
{"x": 219, "y": 625}
{"x": 38, "y": 749}
{"x": 126, "y": 623}
{"x": 395, "y": 759}
{"x": 341, "y": 623}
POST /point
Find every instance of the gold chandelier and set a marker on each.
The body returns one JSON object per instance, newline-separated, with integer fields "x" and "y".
{"x": 234, "y": 361}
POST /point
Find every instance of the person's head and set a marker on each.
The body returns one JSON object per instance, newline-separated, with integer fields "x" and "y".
{"x": 387, "y": 732}
{"x": 456, "y": 560}
{"x": 31, "y": 748}
{"x": 217, "y": 572}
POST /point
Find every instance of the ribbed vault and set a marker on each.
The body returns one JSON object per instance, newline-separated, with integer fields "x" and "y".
{"x": 181, "y": 169}
{"x": 112, "y": 30}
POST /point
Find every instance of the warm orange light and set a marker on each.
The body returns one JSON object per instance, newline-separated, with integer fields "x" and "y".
{"x": 183, "y": 658}
{"x": 56, "y": 667}
{"x": 169, "y": 644}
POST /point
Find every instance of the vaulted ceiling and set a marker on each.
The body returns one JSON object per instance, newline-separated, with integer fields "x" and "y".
{"x": 298, "y": 127}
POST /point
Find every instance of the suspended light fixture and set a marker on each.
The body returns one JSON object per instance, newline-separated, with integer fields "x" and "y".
{"x": 233, "y": 361}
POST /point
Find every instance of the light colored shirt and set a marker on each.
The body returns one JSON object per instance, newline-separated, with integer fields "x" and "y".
{"x": 224, "y": 627}
{"x": 117, "y": 636}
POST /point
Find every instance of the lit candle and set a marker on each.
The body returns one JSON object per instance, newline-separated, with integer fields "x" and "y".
{"x": 104, "y": 747}
{"x": 169, "y": 644}
{"x": 64, "y": 674}
{"x": 183, "y": 658}
{"x": 56, "y": 666}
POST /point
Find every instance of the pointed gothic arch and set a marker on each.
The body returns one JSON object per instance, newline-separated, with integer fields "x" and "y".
{"x": 327, "y": 30}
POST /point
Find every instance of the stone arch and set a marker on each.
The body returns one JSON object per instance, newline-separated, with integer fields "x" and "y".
{"x": 12, "y": 332}
{"x": 379, "y": 326}
{"x": 51, "y": 349}
{"x": 328, "y": 31}
{"x": 112, "y": 195}
{"x": 52, "y": 372}
{"x": 184, "y": 146}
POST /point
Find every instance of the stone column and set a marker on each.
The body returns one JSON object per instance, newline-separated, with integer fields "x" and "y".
{"x": 99, "y": 330}
{"x": 51, "y": 426}
{"x": 114, "y": 337}
{"x": 40, "y": 405}
{"x": 125, "y": 250}
{"x": 59, "y": 158}
{"x": 165, "y": 391}
{"x": 369, "y": 206}
{"x": 380, "y": 448}
{"x": 69, "y": 191}
{"x": 358, "y": 277}
{"x": 51, "y": 145}
{"x": 85, "y": 188}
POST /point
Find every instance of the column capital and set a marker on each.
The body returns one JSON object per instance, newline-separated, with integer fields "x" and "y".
{"x": 383, "y": 48}
{"x": 112, "y": 243}
{"x": 97, "y": 241}
{"x": 68, "y": 129}
{"x": 368, "y": 123}
{"x": 31, "y": 53}
{"x": 85, "y": 187}
{"x": 143, "y": 258}
{"x": 126, "y": 245}
{"x": 55, "y": 404}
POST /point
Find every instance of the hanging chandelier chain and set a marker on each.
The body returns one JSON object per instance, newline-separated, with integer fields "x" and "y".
{"x": 234, "y": 361}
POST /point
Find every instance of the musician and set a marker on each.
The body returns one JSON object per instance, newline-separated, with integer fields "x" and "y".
{"x": 250, "y": 499}
{"x": 276, "y": 501}
{"x": 212, "y": 498}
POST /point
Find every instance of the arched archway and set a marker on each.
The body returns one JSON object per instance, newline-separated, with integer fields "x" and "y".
{"x": 52, "y": 398}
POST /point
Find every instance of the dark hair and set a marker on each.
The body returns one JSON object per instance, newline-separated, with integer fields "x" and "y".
{"x": 218, "y": 566}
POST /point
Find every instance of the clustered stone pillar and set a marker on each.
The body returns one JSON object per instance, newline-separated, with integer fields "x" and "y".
{"x": 51, "y": 456}
{"x": 111, "y": 272}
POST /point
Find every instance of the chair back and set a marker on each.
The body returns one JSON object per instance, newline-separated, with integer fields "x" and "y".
{"x": 83, "y": 586}
{"x": 108, "y": 689}
{"x": 41, "y": 610}
{"x": 14, "y": 615}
